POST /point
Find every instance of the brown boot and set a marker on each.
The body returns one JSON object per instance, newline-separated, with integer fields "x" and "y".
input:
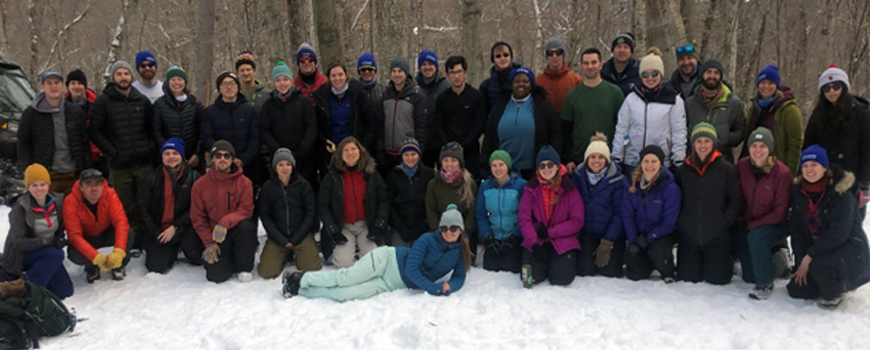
{"x": 12, "y": 289}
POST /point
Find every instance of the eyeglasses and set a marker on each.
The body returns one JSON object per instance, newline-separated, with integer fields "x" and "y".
{"x": 224, "y": 155}
{"x": 654, "y": 74}
{"x": 306, "y": 59}
{"x": 455, "y": 72}
{"x": 500, "y": 55}
{"x": 687, "y": 48}
{"x": 228, "y": 84}
{"x": 364, "y": 69}
{"x": 452, "y": 228}
{"x": 557, "y": 52}
{"x": 546, "y": 165}
{"x": 146, "y": 65}
{"x": 836, "y": 86}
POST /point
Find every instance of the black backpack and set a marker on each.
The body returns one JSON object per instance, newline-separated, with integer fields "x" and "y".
{"x": 39, "y": 313}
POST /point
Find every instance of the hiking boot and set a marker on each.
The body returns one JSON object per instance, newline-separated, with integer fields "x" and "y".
{"x": 761, "y": 293}
{"x": 781, "y": 262}
{"x": 292, "y": 282}
{"x": 831, "y": 304}
{"x": 119, "y": 274}
{"x": 245, "y": 277}
{"x": 135, "y": 253}
{"x": 92, "y": 272}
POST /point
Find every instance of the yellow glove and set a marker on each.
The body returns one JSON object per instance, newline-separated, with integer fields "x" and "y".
{"x": 100, "y": 260}
{"x": 219, "y": 234}
{"x": 115, "y": 259}
{"x": 211, "y": 253}
{"x": 602, "y": 254}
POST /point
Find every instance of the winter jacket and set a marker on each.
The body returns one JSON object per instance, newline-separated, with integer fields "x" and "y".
{"x": 459, "y": 118}
{"x": 787, "y": 127}
{"x": 547, "y": 126}
{"x": 79, "y": 221}
{"x": 287, "y": 212}
{"x": 765, "y": 200}
{"x": 498, "y": 207}
{"x": 235, "y": 122}
{"x": 439, "y": 195}
{"x": 90, "y": 97}
{"x": 24, "y": 220}
{"x": 407, "y": 197}
{"x": 121, "y": 127}
{"x": 373, "y": 95}
{"x": 711, "y": 200}
{"x": 431, "y": 91}
{"x": 840, "y": 226}
{"x": 654, "y": 213}
{"x": 319, "y": 80}
{"x": 151, "y": 198}
{"x": 657, "y": 120}
{"x": 566, "y": 222}
{"x": 361, "y": 114}
{"x": 849, "y": 146}
{"x": 726, "y": 115}
{"x": 330, "y": 205}
{"x": 627, "y": 80}
{"x": 497, "y": 83}
{"x": 430, "y": 259}
{"x": 218, "y": 198}
{"x": 291, "y": 124}
{"x": 36, "y": 136}
{"x": 172, "y": 121}
{"x": 602, "y": 202}
{"x": 558, "y": 83}
{"x": 403, "y": 114}
{"x": 258, "y": 96}
{"x": 677, "y": 84}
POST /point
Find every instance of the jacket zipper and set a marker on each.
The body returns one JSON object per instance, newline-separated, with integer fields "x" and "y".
{"x": 286, "y": 210}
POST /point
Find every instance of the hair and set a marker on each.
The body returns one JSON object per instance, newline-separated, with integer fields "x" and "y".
{"x": 466, "y": 195}
{"x": 590, "y": 51}
{"x": 335, "y": 64}
{"x": 452, "y": 61}
{"x": 696, "y": 159}
{"x": 829, "y": 118}
{"x": 466, "y": 251}
{"x": 365, "y": 161}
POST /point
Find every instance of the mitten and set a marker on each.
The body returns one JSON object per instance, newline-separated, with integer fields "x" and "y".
{"x": 100, "y": 260}
{"x": 602, "y": 253}
{"x": 211, "y": 253}
{"x": 115, "y": 258}
{"x": 641, "y": 242}
{"x": 219, "y": 234}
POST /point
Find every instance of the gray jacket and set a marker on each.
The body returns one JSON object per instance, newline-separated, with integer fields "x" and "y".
{"x": 258, "y": 96}
{"x": 402, "y": 115}
{"x": 726, "y": 115}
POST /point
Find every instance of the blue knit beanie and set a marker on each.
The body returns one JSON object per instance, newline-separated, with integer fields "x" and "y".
{"x": 305, "y": 49}
{"x": 143, "y": 56}
{"x": 815, "y": 153}
{"x": 366, "y": 60}
{"x": 768, "y": 73}
{"x": 174, "y": 143}
{"x": 427, "y": 56}
{"x": 548, "y": 153}
{"x": 525, "y": 71}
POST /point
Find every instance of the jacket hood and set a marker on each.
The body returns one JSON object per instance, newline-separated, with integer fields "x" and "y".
{"x": 557, "y": 72}
{"x": 666, "y": 94}
{"x": 838, "y": 179}
{"x": 369, "y": 169}
{"x": 408, "y": 89}
{"x": 784, "y": 96}
{"x": 77, "y": 194}
{"x": 612, "y": 171}
{"x": 90, "y": 95}
{"x": 435, "y": 81}
{"x": 40, "y": 104}
{"x": 675, "y": 76}
{"x": 216, "y": 175}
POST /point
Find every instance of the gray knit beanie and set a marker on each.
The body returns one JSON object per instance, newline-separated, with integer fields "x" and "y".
{"x": 121, "y": 64}
{"x": 400, "y": 62}
{"x": 452, "y": 217}
{"x": 283, "y": 154}
{"x": 556, "y": 42}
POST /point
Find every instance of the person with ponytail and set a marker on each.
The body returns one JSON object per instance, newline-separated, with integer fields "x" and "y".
{"x": 551, "y": 216}
{"x": 453, "y": 184}
{"x": 387, "y": 269}
{"x": 652, "y": 114}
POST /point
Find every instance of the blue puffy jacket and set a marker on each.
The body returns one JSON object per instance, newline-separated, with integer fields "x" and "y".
{"x": 653, "y": 213}
{"x": 604, "y": 203}
{"x": 497, "y": 208}
{"x": 430, "y": 259}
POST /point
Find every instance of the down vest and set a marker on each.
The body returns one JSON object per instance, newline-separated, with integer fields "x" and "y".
{"x": 654, "y": 213}
{"x": 121, "y": 127}
{"x": 150, "y": 199}
{"x": 330, "y": 205}
{"x": 656, "y": 120}
{"x": 603, "y": 202}
{"x": 498, "y": 208}
{"x": 235, "y": 122}
{"x": 172, "y": 121}
{"x": 36, "y": 136}
{"x": 565, "y": 223}
{"x": 288, "y": 213}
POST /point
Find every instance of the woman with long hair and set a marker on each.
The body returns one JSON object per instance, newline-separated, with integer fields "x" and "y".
{"x": 453, "y": 184}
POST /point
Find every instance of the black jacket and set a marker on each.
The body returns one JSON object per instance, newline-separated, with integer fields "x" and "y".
{"x": 287, "y": 212}
{"x": 711, "y": 202}
{"x": 171, "y": 121}
{"x": 408, "y": 201}
{"x": 36, "y": 137}
{"x": 235, "y": 122}
{"x": 677, "y": 83}
{"x": 121, "y": 127}
{"x": 460, "y": 118}
{"x": 847, "y": 146}
{"x": 289, "y": 124}
{"x": 361, "y": 114}
{"x": 151, "y": 196}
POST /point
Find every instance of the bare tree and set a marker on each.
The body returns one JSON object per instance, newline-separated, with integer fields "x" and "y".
{"x": 204, "y": 48}
{"x": 299, "y": 23}
{"x": 61, "y": 34}
{"x": 392, "y": 23}
{"x": 34, "y": 16}
{"x": 471, "y": 40}
{"x": 326, "y": 18}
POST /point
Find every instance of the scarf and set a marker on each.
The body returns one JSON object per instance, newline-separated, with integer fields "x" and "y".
{"x": 283, "y": 97}
{"x": 645, "y": 185}
{"x": 368, "y": 86}
{"x": 766, "y": 103}
{"x": 410, "y": 171}
{"x": 548, "y": 194}
{"x": 594, "y": 178}
{"x": 339, "y": 92}
{"x": 450, "y": 177}
{"x": 814, "y": 192}
{"x": 650, "y": 93}
{"x": 710, "y": 97}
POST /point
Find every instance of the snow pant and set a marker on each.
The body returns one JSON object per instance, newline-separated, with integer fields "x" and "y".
{"x": 44, "y": 266}
{"x": 104, "y": 239}
{"x": 375, "y": 273}
{"x": 829, "y": 273}
{"x": 126, "y": 181}
{"x": 62, "y": 182}
{"x": 273, "y": 257}
{"x": 547, "y": 264}
{"x": 758, "y": 262}
{"x": 659, "y": 256}
{"x": 159, "y": 257}
{"x": 237, "y": 253}
{"x": 343, "y": 255}
{"x": 711, "y": 262}
{"x": 586, "y": 258}
{"x": 505, "y": 258}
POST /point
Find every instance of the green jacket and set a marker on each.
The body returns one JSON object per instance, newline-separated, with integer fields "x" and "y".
{"x": 439, "y": 195}
{"x": 787, "y": 130}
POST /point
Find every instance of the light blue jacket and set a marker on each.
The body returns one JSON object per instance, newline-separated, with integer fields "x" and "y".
{"x": 497, "y": 208}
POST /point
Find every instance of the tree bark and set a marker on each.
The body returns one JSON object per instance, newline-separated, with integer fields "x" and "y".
{"x": 471, "y": 49}
{"x": 274, "y": 23}
{"x": 299, "y": 26}
{"x": 393, "y": 36}
{"x": 709, "y": 20}
{"x": 35, "y": 18}
{"x": 204, "y": 49}
{"x": 328, "y": 24}
{"x": 687, "y": 13}
{"x": 679, "y": 21}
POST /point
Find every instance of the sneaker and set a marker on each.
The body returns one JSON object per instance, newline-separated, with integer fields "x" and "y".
{"x": 245, "y": 277}
{"x": 292, "y": 282}
{"x": 119, "y": 274}
{"x": 761, "y": 293}
{"x": 832, "y": 303}
{"x": 782, "y": 257}
{"x": 92, "y": 272}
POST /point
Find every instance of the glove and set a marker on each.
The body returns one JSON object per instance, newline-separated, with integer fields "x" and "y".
{"x": 492, "y": 244}
{"x": 642, "y": 242}
{"x": 59, "y": 242}
{"x": 376, "y": 234}
{"x": 602, "y": 254}
{"x": 541, "y": 230}
{"x": 863, "y": 197}
{"x": 211, "y": 253}
{"x": 115, "y": 259}
{"x": 219, "y": 234}
{"x": 339, "y": 238}
{"x": 100, "y": 260}
{"x": 539, "y": 252}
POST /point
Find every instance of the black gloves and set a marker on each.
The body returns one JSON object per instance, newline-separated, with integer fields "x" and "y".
{"x": 492, "y": 244}
{"x": 541, "y": 230}
{"x": 510, "y": 242}
{"x": 377, "y": 235}
{"x": 339, "y": 238}
{"x": 640, "y": 244}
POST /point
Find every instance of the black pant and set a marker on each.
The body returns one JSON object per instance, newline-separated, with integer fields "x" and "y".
{"x": 659, "y": 255}
{"x": 159, "y": 257}
{"x": 711, "y": 262}
{"x": 547, "y": 264}
{"x": 104, "y": 239}
{"x": 237, "y": 253}
{"x": 825, "y": 277}
{"x": 586, "y": 260}
{"x": 505, "y": 259}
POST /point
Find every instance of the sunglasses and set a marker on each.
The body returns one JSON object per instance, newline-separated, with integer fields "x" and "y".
{"x": 223, "y": 155}
{"x": 146, "y": 65}
{"x": 687, "y": 48}
{"x": 306, "y": 59}
{"x": 365, "y": 69}
{"x": 452, "y": 228}
{"x": 654, "y": 74}
{"x": 546, "y": 165}
{"x": 500, "y": 55}
{"x": 836, "y": 86}
{"x": 557, "y": 52}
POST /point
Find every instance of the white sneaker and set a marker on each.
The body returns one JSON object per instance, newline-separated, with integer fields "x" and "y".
{"x": 761, "y": 293}
{"x": 245, "y": 277}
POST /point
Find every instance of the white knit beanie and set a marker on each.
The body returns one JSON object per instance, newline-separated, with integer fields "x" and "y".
{"x": 652, "y": 61}
{"x": 598, "y": 144}
{"x": 833, "y": 74}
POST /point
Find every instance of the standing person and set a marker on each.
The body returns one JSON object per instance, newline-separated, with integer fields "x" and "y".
{"x": 226, "y": 231}
{"x": 652, "y": 114}
{"x": 406, "y": 190}
{"x": 460, "y": 115}
{"x": 352, "y": 205}
{"x": 164, "y": 204}
{"x": 775, "y": 108}
{"x": 763, "y": 223}
{"x": 589, "y": 108}
{"x": 341, "y": 111}
{"x": 840, "y": 123}
{"x": 650, "y": 207}
{"x": 522, "y": 123}
{"x": 309, "y": 78}
{"x": 557, "y": 78}
{"x": 287, "y": 207}
{"x": 255, "y": 92}
{"x": 622, "y": 70}
{"x": 94, "y": 218}
{"x": 830, "y": 246}
{"x": 685, "y": 79}
{"x": 34, "y": 245}
{"x": 501, "y": 55}
{"x": 402, "y": 113}
{"x": 54, "y": 133}
{"x": 453, "y": 185}
{"x": 79, "y": 94}
{"x": 497, "y": 211}
{"x": 432, "y": 83}
{"x": 711, "y": 202}
{"x": 373, "y": 90}
{"x": 601, "y": 185}
{"x": 231, "y": 118}
{"x": 392, "y": 268}
{"x": 148, "y": 84}
{"x": 551, "y": 216}
{"x": 177, "y": 114}
{"x": 714, "y": 103}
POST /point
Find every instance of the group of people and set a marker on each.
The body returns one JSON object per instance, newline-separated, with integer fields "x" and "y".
{"x": 602, "y": 173}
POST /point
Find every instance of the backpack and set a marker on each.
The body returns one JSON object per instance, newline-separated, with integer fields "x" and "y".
{"x": 39, "y": 313}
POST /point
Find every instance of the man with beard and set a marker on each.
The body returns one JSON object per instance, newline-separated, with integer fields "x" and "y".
{"x": 622, "y": 69}
{"x": 148, "y": 84}
{"x": 686, "y": 78}
{"x": 255, "y": 92}
{"x": 714, "y": 103}
{"x": 460, "y": 116}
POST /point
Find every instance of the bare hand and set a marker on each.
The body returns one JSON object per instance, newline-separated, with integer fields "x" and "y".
{"x": 238, "y": 162}
{"x": 288, "y": 245}
{"x": 330, "y": 146}
{"x": 166, "y": 235}
{"x": 800, "y": 276}
{"x": 571, "y": 167}
{"x": 194, "y": 161}
{"x": 445, "y": 288}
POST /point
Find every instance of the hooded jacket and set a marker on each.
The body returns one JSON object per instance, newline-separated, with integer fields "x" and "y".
{"x": 498, "y": 207}
{"x": 602, "y": 202}
{"x": 23, "y": 238}
{"x": 287, "y": 212}
{"x": 218, "y": 198}
{"x": 654, "y": 213}
{"x": 407, "y": 195}
{"x": 848, "y": 147}
{"x": 557, "y": 83}
{"x": 677, "y": 84}
{"x": 567, "y": 219}
{"x": 151, "y": 195}
{"x": 658, "y": 120}
{"x": 765, "y": 200}
{"x": 497, "y": 83}
{"x": 787, "y": 128}
{"x": 170, "y": 121}
{"x": 403, "y": 114}
{"x": 711, "y": 200}
{"x": 627, "y": 80}
{"x": 726, "y": 115}
{"x": 36, "y": 135}
{"x": 319, "y": 79}
{"x": 121, "y": 127}
{"x": 235, "y": 122}
{"x": 79, "y": 221}
{"x": 291, "y": 124}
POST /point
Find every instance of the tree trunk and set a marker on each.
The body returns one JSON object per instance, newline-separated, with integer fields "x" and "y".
{"x": 639, "y": 24}
{"x": 204, "y": 49}
{"x": 393, "y": 36}
{"x": 471, "y": 48}
{"x": 731, "y": 48}
{"x": 119, "y": 40}
{"x": 687, "y": 13}
{"x": 415, "y": 27}
{"x": 299, "y": 26}
{"x": 709, "y": 20}
{"x": 34, "y": 16}
{"x": 537, "y": 53}
{"x": 274, "y": 23}
{"x": 328, "y": 24}
{"x": 679, "y": 21}
{"x": 4, "y": 34}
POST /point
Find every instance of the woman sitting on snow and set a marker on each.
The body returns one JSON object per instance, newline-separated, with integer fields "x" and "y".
{"x": 387, "y": 269}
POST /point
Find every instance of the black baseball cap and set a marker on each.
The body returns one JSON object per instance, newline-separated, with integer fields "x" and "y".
{"x": 90, "y": 174}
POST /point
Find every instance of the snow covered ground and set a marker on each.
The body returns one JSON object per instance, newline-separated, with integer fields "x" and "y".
{"x": 181, "y": 310}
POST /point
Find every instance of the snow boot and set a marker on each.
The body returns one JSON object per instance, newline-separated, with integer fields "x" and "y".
{"x": 761, "y": 293}
{"x": 92, "y": 272}
{"x": 292, "y": 282}
{"x": 831, "y": 304}
{"x": 119, "y": 273}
